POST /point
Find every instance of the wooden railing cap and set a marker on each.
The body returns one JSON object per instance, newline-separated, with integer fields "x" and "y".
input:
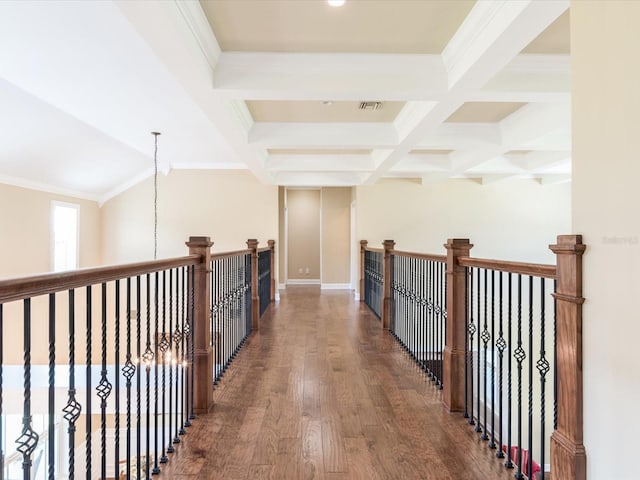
{"x": 569, "y": 244}
{"x": 199, "y": 242}
{"x": 388, "y": 244}
{"x": 252, "y": 243}
{"x": 364, "y": 243}
{"x": 271, "y": 243}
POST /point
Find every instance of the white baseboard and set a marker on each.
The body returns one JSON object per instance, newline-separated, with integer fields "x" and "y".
{"x": 335, "y": 286}
{"x": 303, "y": 281}
{"x": 356, "y": 296}
{"x": 277, "y": 297}
{"x": 282, "y": 286}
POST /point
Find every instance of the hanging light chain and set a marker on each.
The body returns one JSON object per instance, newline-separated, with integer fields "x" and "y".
{"x": 155, "y": 195}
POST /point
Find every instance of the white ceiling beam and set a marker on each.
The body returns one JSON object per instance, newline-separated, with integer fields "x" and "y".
{"x": 319, "y": 179}
{"x": 324, "y": 76}
{"x": 323, "y": 135}
{"x": 423, "y": 163}
{"x": 464, "y": 136}
{"x": 489, "y": 179}
{"x": 533, "y": 121}
{"x": 554, "y": 179}
{"x": 490, "y": 37}
{"x": 179, "y": 35}
{"x": 320, "y": 163}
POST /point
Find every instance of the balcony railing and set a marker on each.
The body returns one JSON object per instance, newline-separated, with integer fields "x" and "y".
{"x": 503, "y": 341}
{"x": 102, "y": 370}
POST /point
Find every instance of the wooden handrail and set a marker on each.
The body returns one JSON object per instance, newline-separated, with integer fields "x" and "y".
{"x": 533, "y": 269}
{"x": 424, "y": 256}
{"x": 378, "y": 250}
{"x": 43, "y": 284}
{"x": 263, "y": 249}
{"x": 235, "y": 253}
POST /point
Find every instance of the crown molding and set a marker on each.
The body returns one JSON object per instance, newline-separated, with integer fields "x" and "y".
{"x": 196, "y": 20}
{"x": 47, "y": 188}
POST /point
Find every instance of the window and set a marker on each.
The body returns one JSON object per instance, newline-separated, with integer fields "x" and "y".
{"x": 65, "y": 236}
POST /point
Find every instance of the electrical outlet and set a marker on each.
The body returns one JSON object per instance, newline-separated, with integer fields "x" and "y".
{"x": 306, "y": 270}
{"x": 300, "y": 270}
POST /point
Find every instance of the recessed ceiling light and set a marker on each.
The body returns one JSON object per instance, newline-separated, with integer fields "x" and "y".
{"x": 335, "y": 3}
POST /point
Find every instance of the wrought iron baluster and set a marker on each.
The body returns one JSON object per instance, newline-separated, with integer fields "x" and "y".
{"x": 492, "y": 443}
{"x": 467, "y": 357}
{"x": 128, "y": 370}
{"x": 555, "y": 356}
{"x": 509, "y": 462}
{"x": 156, "y": 468}
{"x": 173, "y": 361}
{"x": 485, "y": 341}
{"x": 52, "y": 385}
{"x": 443, "y": 322}
{"x": 192, "y": 335}
{"x": 104, "y": 386}
{"x": 543, "y": 368}
{"x": 164, "y": 347}
{"x": 501, "y": 344}
{"x": 184, "y": 385}
{"x": 1, "y": 389}
{"x": 88, "y": 392}
{"x": 148, "y": 358}
{"x": 116, "y": 372}
{"x": 28, "y": 438}
{"x": 479, "y": 384}
{"x": 138, "y": 377}
{"x": 72, "y": 409}
{"x": 519, "y": 355}
{"x": 472, "y": 330}
{"x": 530, "y": 372}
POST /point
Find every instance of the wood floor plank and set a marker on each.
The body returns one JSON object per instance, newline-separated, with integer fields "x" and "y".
{"x": 322, "y": 392}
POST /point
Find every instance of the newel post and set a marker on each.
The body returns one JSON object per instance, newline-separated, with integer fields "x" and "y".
{"x": 363, "y": 247}
{"x": 568, "y": 456}
{"x": 252, "y": 244}
{"x": 201, "y": 337}
{"x": 387, "y": 274}
{"x": 453, "y": 369}
{"x": 272, "y": 247}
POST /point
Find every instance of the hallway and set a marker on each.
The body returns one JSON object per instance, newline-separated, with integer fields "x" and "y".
{"x": 321, "y": 392}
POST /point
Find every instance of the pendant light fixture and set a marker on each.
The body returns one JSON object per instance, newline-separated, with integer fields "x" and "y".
{"x": 155, "y": 194}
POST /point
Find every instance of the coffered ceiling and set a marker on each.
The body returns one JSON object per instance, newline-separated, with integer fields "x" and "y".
{"x": 299, "y": 92}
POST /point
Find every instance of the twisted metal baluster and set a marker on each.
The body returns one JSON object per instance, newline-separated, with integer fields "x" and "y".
{"x": 72, "y": 409}
{"x": 104, "y": 387}
{"x": 519, "y": 355}
{"x": 501, "y": 344}
{"x": 192, "y": 336}
{"x": 138, "y": 378}
{"x": 156, "y": 468}
{"x": 478, "y": 290}
{"x": 148, "y": 358}
{"x": 184, "y": 386}
{"x": 530, "y": 372}
{"x": 174, "y": 359}
{"x": 492, "y": 443}
{"x": 509, "y": 462}
{"x": 466, "y": 344}
{"x": 88, "y": 392}
{"x": 1, "y": 389}
{"x": 28, "y": 439}
{"x": 485, "y": 340}
{"x": 543, "y": 368}
{"x": 472, "y": 330}
{"x": 164, "y": 347}
{"x": 128, "y": 370}
{"x": 116, "y": 372}
{"x": 52, "y": 385}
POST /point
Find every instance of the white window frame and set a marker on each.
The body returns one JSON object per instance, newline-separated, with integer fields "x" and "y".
{"x": 76, "y": 207}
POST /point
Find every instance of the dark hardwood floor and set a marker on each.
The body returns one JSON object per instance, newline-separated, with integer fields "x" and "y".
{"x": 321, "y": 392}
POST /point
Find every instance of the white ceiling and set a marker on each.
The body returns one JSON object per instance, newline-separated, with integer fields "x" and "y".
{"x": 82, "y": 85}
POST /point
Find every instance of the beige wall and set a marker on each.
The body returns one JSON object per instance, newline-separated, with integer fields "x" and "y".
{"x": 25, "y": 242}
{"x": 228, "y": 206}
{"x": 303, "y": 234}
{"x": 605, "y": 73}
{"x": 512, "y": 220}
{"x": 336, "y": 224}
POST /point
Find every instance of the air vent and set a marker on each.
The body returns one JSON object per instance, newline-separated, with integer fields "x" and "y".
{"x": 370, "y": 105}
